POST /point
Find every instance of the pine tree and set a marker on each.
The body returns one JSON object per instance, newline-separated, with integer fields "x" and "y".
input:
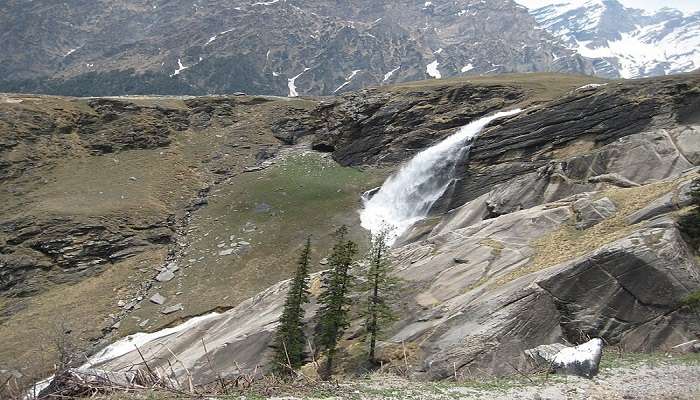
{"x": 290, "y": 340}
{"x": 333, "y": 313}
{"x": 381, "y": 289}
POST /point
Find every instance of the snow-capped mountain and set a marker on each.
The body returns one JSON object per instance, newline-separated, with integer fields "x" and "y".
{"x": 625, "y": 42}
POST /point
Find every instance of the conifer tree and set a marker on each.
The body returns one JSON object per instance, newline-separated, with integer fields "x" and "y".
{"x": 381, "y": 290}
{"x": 334, "y": 301}
{"x": 290, "y": 340}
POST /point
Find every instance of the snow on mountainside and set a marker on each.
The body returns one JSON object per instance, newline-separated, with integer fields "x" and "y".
{"x": 102, "y": 47}
{"x": 625, "y": 42}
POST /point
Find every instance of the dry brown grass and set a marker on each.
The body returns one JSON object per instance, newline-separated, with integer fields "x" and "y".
{"x": 568, "y": 243}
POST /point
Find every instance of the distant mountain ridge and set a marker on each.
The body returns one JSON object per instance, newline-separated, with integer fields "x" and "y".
{"x": 625, "y": 42}
{"x": 324, "y": 47}
{"x": 283, "y": 47}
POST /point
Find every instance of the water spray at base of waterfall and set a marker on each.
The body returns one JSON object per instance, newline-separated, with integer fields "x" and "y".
{"x": 408, "y": 195}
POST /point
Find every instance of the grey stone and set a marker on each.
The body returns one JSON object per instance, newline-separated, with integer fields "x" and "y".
{"x": 324, "y": 261}
{"x": 672, "y": 201}
{"x": 687, "y": 140}
{"x": 143, "y": 323}
{"x": 227, "y": 252}
{"x": 157, "y": 299}
{"x": 582, "y": 360}
{"x": 165, "y": 276}
{"x": 172, "y": 309}
{"x": 262, "y": 208}
{"x": 614, "y": 179}
{"x": 590, "y": 213}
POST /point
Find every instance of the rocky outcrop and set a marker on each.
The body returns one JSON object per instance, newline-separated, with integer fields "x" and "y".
{"x": 582, "y": 139}
{"x": 39, "y": 133}
{"x": 68, "y": 249}
{"x": 376, "y": 126}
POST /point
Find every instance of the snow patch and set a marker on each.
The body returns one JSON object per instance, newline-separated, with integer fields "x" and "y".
{"x": 591, "y": 86}
{"x": 347, "y": 80}
{"x": 390, "y": 73}
{"x": 291, "y": 83}
{"x": 432, "y": 69}
{"x": 179, "y": 69}
{"x": 71, "y": 51}
{"x": 467, "y": 68}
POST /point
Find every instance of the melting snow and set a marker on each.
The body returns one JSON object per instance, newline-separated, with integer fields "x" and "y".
{"x": 291, "y": 84}
{"x": 179, "y": 69}
{"x": 467, "y": 68}
{"x": 71, "y": 51}
{"x": 591, "y": 86}
{"x": 347, "y": 80}
{"x": 433, "y": 70}
{"x": 390, "y": 73}
{"x": 126, "y": 345}
{"x": 265, "y": 3}
{"x": 588, "y": 351}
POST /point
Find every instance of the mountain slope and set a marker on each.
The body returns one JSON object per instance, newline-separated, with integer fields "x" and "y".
{"x": 558, "y": 225}
{"x": 626, "y": 42}
{"x": 285, "y": 47}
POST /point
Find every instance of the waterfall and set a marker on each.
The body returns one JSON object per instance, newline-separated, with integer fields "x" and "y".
{"x": 408, "y": 195}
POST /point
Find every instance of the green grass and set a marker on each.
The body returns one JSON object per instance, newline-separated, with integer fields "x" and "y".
{"x": 307, "y": 193}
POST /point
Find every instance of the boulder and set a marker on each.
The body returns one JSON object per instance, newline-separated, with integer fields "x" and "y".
{"x": 582, "y": 360}
{"x": 590, "y": 213}
{"x": 687, "y": 138}
{"x": 157, "y": 299}
{"x": 165, "y": 276}
{"x": 672, "y": 201}
{"x": 172, "y": 309}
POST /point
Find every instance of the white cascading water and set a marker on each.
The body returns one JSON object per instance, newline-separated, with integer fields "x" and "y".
{"x": 407, "y": 196}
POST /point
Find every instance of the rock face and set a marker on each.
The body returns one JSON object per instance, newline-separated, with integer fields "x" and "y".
{"x": 501, "y": 267}
{"x": 304, "y": 47}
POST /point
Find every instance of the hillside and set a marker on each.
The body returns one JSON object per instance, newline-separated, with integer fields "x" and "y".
{"x": 288, "y": 47}
{"x": 560, "y": 223}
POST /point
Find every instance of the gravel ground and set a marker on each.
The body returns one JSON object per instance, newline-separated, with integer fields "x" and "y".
{"x": 656, "y": 380}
